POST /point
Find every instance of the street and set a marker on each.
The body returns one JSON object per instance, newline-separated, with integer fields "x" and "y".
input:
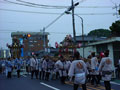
{"x": 26, "y": 83}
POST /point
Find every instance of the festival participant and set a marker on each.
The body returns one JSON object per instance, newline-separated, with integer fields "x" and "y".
{"x": 94, "y": 67}
{"x": 68, "y": 61}
{"x": 9, "y": 67}
{"x": 48, "y": 67}
{"x": 40, "y": 67}
{"x": 88, "y": 64}
{"x": 28, "y": 65}
{"x": 3, "y": 60}
{"x": 44, "y": 64}
{"x": 61, "y": 65}
{"x": 18, "y": 65}
{"x": 34, "y": 66}
{"x": 78, "y": 72}
{"x": 106, "y": 67}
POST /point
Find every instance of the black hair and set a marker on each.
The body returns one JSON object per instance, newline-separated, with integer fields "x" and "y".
{"x": 77, "y": 55}
{"x": 61, "y": 57}
{"x": 106, "y": 53}
{"x": 93, "y": 54}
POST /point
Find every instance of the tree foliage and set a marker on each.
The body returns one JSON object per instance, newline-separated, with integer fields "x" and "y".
{"x": 100, "y": 33}
{"x": 115, "y": 29}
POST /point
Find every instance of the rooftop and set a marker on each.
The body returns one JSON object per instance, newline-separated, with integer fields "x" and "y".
{"x": 90, "y": 38}
{"x": 32, "y": 33}
{"x": 109, "y": 40}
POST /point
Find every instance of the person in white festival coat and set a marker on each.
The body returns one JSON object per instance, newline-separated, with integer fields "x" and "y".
{"x": 106, "y": 67}
{"x": 62, "y": 66}
{"x": 78, "y": 72}
{"x": 34, "y": 66}
{"x": 94, "y": 68}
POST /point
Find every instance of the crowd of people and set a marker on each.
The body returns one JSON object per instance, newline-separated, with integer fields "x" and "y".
{"x": 73, "y": 68}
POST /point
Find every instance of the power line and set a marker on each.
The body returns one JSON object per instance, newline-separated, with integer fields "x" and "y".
{"x": 21, "y": 11}
{"x": 54, "y": 20}
{"x": 26, "y": 5}
{"x": 9, "y": 31}
{"x": 28, "y": 11}
{"x": 29, "y": 4}
{"x": 43, "y": 5}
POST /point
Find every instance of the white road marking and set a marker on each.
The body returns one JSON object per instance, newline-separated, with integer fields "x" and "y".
{"x": 115, "y": 83}
{"x": 49, "y": 86}
{"x": 24, "y": 75}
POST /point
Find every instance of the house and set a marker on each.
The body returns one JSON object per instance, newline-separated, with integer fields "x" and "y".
{"x": 111, "y": 44}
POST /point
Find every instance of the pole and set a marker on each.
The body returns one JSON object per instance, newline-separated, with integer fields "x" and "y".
{"x": 44, "y": 44}
{"x": 82, "y": 33}
{"x": 73, "y": 22}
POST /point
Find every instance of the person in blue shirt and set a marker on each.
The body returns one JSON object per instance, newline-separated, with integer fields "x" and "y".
{"x": 18, "y": 64}
{"x": 9, "y": 67}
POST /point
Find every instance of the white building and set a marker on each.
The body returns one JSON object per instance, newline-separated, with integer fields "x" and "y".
{"x": 111, "y": 44}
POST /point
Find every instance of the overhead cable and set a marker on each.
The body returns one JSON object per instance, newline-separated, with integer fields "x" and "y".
{"x": 33, "y": 12}
{"x": 29, "y": 4}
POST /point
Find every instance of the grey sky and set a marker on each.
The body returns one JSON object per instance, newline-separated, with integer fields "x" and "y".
{"x": 18, "y": 21}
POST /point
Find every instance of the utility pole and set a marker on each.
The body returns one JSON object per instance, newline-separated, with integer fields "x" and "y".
{"x": 44, "y": 42}
{"x": 73, "y": 22}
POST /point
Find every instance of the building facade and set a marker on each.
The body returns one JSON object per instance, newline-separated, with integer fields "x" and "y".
{"x": 34, "y": 43}
{"x": 111, "y": 44}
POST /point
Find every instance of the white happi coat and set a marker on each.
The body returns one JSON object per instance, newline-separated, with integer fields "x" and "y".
{"x": 68, "y": 65}
{"x": 74, "y": 69}
{"x": 44, "y": 65}
{"x": 106, "y": 67}
{"x": 34, "y": 64}
{"x": 40, "y": 64}
{"x": 88, "y": 65}
{"x": 62, "y": 67}
{"x": 94, "y": 65}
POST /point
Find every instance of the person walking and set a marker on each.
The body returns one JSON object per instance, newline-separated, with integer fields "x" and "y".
{"x": 34, "y": 67}
{"x": 106, "y": 67}
{"x": 78, "y": 72}
{"x": 18, "y": 65}
{"x": 62, "y": 68}
{"x": 9, "y": 67}
{"x": 94, "y": 68}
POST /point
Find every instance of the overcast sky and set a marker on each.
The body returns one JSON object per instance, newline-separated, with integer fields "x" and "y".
{"x": 15, "y": 17}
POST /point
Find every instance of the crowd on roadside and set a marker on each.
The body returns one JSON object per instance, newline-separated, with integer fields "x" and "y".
{"x": 73, "y": 68}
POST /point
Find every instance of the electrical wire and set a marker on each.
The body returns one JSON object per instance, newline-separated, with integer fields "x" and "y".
{"x": 42, "y": 5}
{"x": 21, "y": 11}
{"x": 54, "y": 21}
{"x": 9, "y": 31}
{"x": 53, "y": 7}
{"x": 26, "y": 4}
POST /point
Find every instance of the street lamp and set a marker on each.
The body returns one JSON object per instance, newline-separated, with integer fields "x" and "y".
{"x": 67, "y": 12}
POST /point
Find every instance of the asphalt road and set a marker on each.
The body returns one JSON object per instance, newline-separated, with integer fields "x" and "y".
{"x": 26, "y": 83}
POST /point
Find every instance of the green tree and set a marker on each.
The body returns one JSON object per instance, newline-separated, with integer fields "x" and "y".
{"x": 100, "y": 33}
{"x": 115, "y": 29}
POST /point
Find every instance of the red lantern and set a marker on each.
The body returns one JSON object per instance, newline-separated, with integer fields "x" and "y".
{"x": 56, "y": 44}
{"x": 101, "y": 54}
